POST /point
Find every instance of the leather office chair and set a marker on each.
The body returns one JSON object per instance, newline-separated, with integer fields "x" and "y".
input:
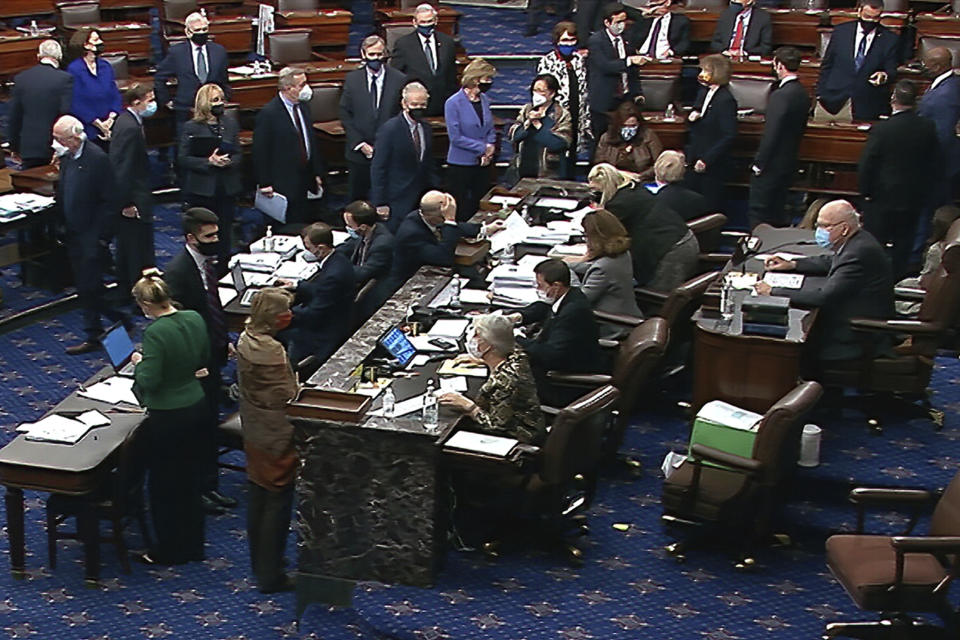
{"x": 296, "y": 5}
{"x": 288, "y": 46}
{"x": 805, "y": 5}
{"x": 896, "y": 6}
{"x": 230, "y": 438}
{"x": 930, "y": 42}
{"x": 119, "y": 499}
{"x": 726, "y": 493}
{"x": 900, "y": 574}
{"x": 718, "y": 5}
{"x": 554, "y": 489}
{"x": 659, "y": 91}
{"x": 79, "y": 14}
{"x": 119, "y": 62}
{"x": 707, "y": 230}
{"x": 325, "y": 103}
{"x": 751, "y": 92}
{"x": 172, "y": 16}
{"x": 393, "y": 31}
{"x": 885, "y": 380}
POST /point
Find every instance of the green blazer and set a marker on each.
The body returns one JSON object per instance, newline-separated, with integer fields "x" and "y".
{"x": 175, "y": 346}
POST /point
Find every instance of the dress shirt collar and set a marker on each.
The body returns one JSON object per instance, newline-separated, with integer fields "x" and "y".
{"x": 371, "y": 75}
{"x": 940, "y": 78}
{"x": 324, "y": 261}
{"x": 410, "y": 121}
{"x": 50, "y": 62}
{"x": 79, "y": 152}
{"x": 199, "y": 259}
{"x": 613, "y": 39}
{"x": 556, "y": 305}
{"x": 787, "y": 79}
{"x": 425, "y": 40}
{"x": 136, "y": 116}
{"x": 286, "y": 101}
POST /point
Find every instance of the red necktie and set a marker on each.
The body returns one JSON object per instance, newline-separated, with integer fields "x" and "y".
{"x": 738, "y": 35}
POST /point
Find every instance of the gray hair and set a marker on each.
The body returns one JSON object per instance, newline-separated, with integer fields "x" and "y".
{"x": 68, "y": 125}
{"x": 424, "y": 8}
{"x": 844, "y": 211}
{"x": 286, "y": 78}
{"x": 369, "y": 41}
{"x": 669, "y": 166}
{"x": 412, "y": 88}
{"x": 194, "y": 17}
{"x": 50, "y": 49}
{"x": 497, "y": 331}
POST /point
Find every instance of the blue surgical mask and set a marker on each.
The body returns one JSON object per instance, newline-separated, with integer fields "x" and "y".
{"x": 150, "y": 110}
{"x": 566, "y": 50}
{"x": 426, "y": 30}
{"x": 353, "y": 233}
{"x": 822, "y": 238}
{"x": 309, "y": 256}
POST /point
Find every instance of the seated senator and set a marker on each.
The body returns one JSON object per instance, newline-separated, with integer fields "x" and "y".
{"x": 668, "y": 172}
{"x": 507, "y": 404}
{"x": 606, "y": 271}
{"x": 858, "y": 281}
{"x": 629, "y": 144}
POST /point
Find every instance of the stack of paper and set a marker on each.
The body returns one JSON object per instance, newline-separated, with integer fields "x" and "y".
{"x": 57, "y": 428}
{"x": 296, "y": 270}
{"x": 287, "y": 246}
{"x": 468, "y": 369}
{"x": 505, "y": 201}
{"x": 784, "y": 280}
{"x": 514, "y": 232}
{"x": 112, "y": 390}
{"x": 561, "y": 250}
{"x": 449, "y": 328}
{"x": 545, "y": 236}
{"x": 482, "y": 443}
{"x": 722, "y": 413}
{"x": 265, "y": 262}
{"x": 474, "y": 296}
{"x": 566, "y": 204}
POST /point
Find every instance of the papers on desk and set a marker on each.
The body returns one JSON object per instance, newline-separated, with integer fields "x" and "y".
{"x": 296, "y": 270}
{"x": 450, "y": 328}
{"x": 403, "y": 408}
{"x": 780, "y": 254}
{"x": 474, "y": 296}
{"x": 504, "y": 201}
{"x": 226, "y": 295}
{"x": 546, "y": 236}
{"x": 482, "y": 443}
{"x": 456, "y": 383}
{"x": 744, "y": 281}
{"x": 722, "y": 413}
{"x": 561, "y": 250}
{"x": 112, "y": 390}
{"x": 514, "y": 232}
{"x": 262, "y": 262}
{"x": 287, "y": 246}
{"x": 14, "y": 206}
{"x": 274, "y": 206}
{"x": 784, "y": 280}
{"x": 55, "y": 428}
{"x": 422, "y": 344}
{"x": 448, "y": 368}
{"x": 558, "y": 203}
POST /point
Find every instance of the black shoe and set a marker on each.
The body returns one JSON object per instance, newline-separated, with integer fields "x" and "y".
{"x": 285, "y": 584}
{"x": 220, "y": 499}
{"x": 531, "y": 31}
{"x": 84, "y": 347}
{"x": 211, "y": 507}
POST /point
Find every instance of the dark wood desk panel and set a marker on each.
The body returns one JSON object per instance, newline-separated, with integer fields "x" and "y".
{"x": 327, "y": 28}
{"x": 252, "y": 92}
{"x": 894, "y": 21}
{"x": 807, "y": 74}
{"x": 18, "y": 51}
{"x": 123, "y": 35}
{"x": 16, "y": 8}
{"x": 235, "y": 33}
{"x": 42, "y": 180}
{"x": 929, "y": 24}
{"x": 448, "y": 20}
{"x": 797, "y": 27}
{"x": 703, "y": 22}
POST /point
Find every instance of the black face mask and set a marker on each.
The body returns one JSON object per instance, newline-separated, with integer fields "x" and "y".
{"x": 208, "y": 249}
{"x": 484, "y": 86}
{"x": 417, "y": 113}
{"x": 596, "y": 195}
{"x": 199, "y": 39}
{"x": 867, "y": 26}
{"x": 97, "y": 49}
{"x": 217, "y": 110}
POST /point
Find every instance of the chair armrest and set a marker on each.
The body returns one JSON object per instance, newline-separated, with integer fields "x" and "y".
{"x": 549, "y": 411}
{"x": 308, "y": 363}
{"x": 607, "y": 343}
{"x": 650, "y": 295}
{"x": 704, "y": 452}
{"x": 909, "y": 293}
{"x": 866, "y": 495}
{"x": 715, "y": 257}
{"x": 579, "y": 379}
{"x": 926, "y": 544}
{"x": 914, "y": 327}
{"x": 617, "y": 318}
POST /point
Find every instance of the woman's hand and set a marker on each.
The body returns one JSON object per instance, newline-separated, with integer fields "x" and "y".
{"x": 219, "y": 159}
{"x": 202, "y": 373}
{"x": 700, "y": 166}
{"x": 457, "y": 401}
{"x": 467, "y": 359}
{"x": 136, "y": 357}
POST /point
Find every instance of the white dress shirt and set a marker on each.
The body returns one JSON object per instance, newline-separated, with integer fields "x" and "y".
{"x": 860, "y": 34}
{"x": 940, "y": 78}
{"x": 745, "y": 17}
{"x": 663, "y": 41}
{"x": 432, "y": 41}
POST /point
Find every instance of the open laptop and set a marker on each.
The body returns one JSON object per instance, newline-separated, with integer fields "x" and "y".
{"x": 119, "y": 347}
{"x": 398, "y": 346}
{"x": 245, "y": 291}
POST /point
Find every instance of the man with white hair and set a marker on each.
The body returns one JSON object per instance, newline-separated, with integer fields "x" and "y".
{"x": 85, "y": 195}
{"x": 194, "y": 63}
{"x": 40, "y": 95}
{"x": 858, "y": 281}
{"x": 429, "y": 56}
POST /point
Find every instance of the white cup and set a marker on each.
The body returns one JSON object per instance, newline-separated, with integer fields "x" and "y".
{"x": 810, "y": 446}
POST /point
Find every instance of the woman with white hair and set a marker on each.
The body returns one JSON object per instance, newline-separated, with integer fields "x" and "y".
{"x": 668, "y": 171}
{"x": 507, "y": 404}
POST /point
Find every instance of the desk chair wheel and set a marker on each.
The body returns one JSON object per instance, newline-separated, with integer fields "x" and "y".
{"x": 676, "y": 551}
{"x": 876, "y": 428}
{"x": 491, "y": 548}
{"x": 937, "y": 416}
{"x": 745, "y": 564}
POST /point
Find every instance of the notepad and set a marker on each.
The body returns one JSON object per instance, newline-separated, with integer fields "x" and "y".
{"x": 456, "y": 383}
{"x": 448, "y": 368}
{"x": 56, "y": 428}
{"x": 482, "y": 443}
{"x": 449, "y": 327}
{"x": 474, "y": 296}
{"x": 784, "y": 280}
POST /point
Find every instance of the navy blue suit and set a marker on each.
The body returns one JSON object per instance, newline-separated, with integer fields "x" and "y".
{"x": 398, "y": 177}
{"x": 416, "y": 246}
{"x": 710, "y": 140}
{"x": 322, "y": 310}
{"x": 179, "y": 64}
{"x": 40, "y": 95}
{"x": 605, "y": 71}
{"x": 942, "y": 105}
{"x": 840, "y": 80}
{"x": 372, "y": 260}
{"x": 85, "y": 195}
{"x": 757, "y": 40}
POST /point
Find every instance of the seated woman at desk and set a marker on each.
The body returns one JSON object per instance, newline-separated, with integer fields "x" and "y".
{"x": 664, "y": 250}
{"x": 267, "y": 383}
{"x": 166, "y": 381}
{"x": 542, "y": 133}
{"x": 629, "y": 144}
{"x": 507, "y": 404}
{"x": 606, "y": 271}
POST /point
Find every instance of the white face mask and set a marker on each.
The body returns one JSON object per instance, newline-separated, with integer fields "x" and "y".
{"x": 59, "y": 149}
{"x": 306, "y": 93}
{"x": 546, "y": 297}
{"x": 617, "y": 28}
{"x": 473, "y": 348}
{"x": 538, "y": 99}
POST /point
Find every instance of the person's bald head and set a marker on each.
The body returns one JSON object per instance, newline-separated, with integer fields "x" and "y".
{"x": 840, "y": 219}
{"x": 938, "y": 60}
{"x": 434, "y": 207}
{"x": 68, "y": 131}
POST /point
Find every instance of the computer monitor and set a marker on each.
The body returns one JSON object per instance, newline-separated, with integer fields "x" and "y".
{"x": 118, "y": 345}
{"x": 398, "y": 345}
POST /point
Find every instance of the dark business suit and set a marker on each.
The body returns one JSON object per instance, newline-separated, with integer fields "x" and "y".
{"x": 85, "y": 195}
{"x": 214, "y": 188}
{"x": 605, "y": 71}
{"x": 371, "y": 259}
{"x": 398, "y": 176}
{"x": 415, "y": 245}
{"x": 678, "y": 34}
{"x": 40, "y": 95}
{"x": 942, "y": 105}
{"x": 858, "y": 285}
{"x": 361, "y": 122}
{"x": 131, "y": 168}
{"x": 688, "y": 204}
{"x": 323, "y": 310}
{"x": 278, "y": 161}
{"x": 587, "y": 17}
{"x": 187, "y": 290}
{"x": 757, "y": 41}
{"x": 899, "y": 166}
{"x": 710, "y": 139}
{"x": 409, "y": 58}
{"x": 840, "y": 80}
{"x": 566, "y": 342}
{"x": 786, "y": 119}
{"x": 179, "y": 64}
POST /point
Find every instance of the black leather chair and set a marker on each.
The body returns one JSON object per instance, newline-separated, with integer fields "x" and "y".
{"x": 325, "y": 103}
{"x": 289, "y": 46}
{"x": 895, "y": 575}
{"x": 230, "y": 438}
{"x": 751, "y": 92}
{"x": 284, "y": 6}
{"x": 929, "y": 42}
{"x": 731, "y": 497}
{"x": 119, "y": 60}
{"x": 79, "y": 14}
{"x": 659, "y": 91}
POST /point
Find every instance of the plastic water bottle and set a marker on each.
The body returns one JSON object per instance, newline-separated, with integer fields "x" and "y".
{"x": 454, "y": 302}
{"x": 431, "y": 417}
{"x": 508, "y": 255}
{"x": 726, "y": 300}
{"x": 389, "y": 402}
{"x": 34, "y": 29}
{"x": 670, "y": 114}
{"x": 268, "y": 239}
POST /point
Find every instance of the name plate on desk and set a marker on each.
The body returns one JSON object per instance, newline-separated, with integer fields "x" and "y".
{"x": 323, "y": 404}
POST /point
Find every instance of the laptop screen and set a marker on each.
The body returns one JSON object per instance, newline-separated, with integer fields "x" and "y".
{"x": 118, "y": 346}
{"x": 239, "y": 282}
{"x": 398, "y": 345}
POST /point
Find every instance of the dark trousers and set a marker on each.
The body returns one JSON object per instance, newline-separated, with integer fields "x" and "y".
{"x": 299, "y": 208}
{"x": 226, "y": 209}
{"x": 709, "y": 184}
{"x": 134, "y": 251}
{"x": 85, "y": 262}
{"x": 206, "y": 437}
{"x": 173, "y": 463}
{"x": 268, "y": 524}
{"x": 599, "y": 121}
{"x": 358, "y": 179}
{"x": 586, "y": 17}
{"x": 894, "y": 226}
{"x": 467, "y": 184}
{"x": 768, "y": 199}
{"x": 535, "y": 11}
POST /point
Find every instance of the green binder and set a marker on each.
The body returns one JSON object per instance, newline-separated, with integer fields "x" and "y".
{"x": 726, "y": 427}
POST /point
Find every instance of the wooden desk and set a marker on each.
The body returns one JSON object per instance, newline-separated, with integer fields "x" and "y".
{"x": 17, "y": 8}
{"x": 327, "y": 28}
{"x": 130, "y": 37}
{"x": 703, "y": 22}
{"x": 929, "y": 24}
{"x": 751, "y": 372}
{"x": 76, "y": 469}
{"x": 448, "y": 20}
{"x": 18, "y": 51}
{"x": 808, "y": 73}
{"x": 235, "y": 33}
{"x": 42, "y": 180}
{"x": 797, "y": 27}
{"x": 252, "y": 92}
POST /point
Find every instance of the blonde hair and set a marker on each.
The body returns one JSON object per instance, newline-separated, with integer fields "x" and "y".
{"x": 610, "y": 180}
{"x": 151, "y": 289}
{"x": 201, "y": 104}
{"x": 606, "y": 235}
{"x": 717, "y": 67}
{"x": 476, "y": 71}
{"x": 266, "y": 305}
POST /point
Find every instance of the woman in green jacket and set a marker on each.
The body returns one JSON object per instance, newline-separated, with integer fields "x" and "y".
{"x": 166, "y": 380}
